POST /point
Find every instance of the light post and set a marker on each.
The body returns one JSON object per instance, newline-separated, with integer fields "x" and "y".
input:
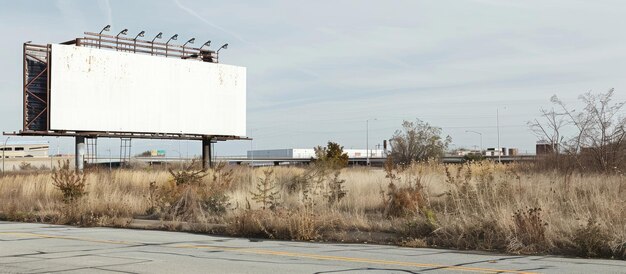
{"x": 141, "y": 34}
{"x": 367, "y": 140}
{"x": 158, "y": 36}
{"x": 481, "y": 139}
{"x": 207, "y": 43}
{"x": 190, "y": 41}
{"x": 106, "y": 28}
{"x": 498, "y": 128}
{"x": 117, "y": 38}
{"x": 224, "y": 46}
{"x": 4, "y": 148}
{"x": 174, "y": 37}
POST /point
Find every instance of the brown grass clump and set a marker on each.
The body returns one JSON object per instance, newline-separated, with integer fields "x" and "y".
{"x": 530, "y": 231}
{"x": 301, "y": 224}
{"x": 191, "y": 194}
{"x": 483, "y": 205}
{"x": 69, "y": 182}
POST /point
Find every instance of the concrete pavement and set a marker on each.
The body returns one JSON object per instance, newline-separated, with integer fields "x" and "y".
{"x": 41, "y": 248}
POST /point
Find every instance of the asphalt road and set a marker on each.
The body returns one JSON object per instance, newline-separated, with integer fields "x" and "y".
{"x": 41, "y": 248}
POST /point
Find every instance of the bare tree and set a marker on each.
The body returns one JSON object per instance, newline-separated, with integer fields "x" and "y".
{"x": 599, "y": 139}
{"x": 603, "y": 139}
{"x": 418, "y": 141}
{"x": 549, "y": 128}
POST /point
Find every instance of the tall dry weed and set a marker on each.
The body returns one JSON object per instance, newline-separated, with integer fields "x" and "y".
{"x": 469, "y": 206}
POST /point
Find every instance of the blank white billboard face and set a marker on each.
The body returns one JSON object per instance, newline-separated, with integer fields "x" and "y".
{"x": 102, "y": 90}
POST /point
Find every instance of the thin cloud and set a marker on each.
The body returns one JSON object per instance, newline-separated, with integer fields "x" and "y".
{"x": 105, "y": 5}
{"x": 235, "y": 35}
{"x": 195, "y": 14}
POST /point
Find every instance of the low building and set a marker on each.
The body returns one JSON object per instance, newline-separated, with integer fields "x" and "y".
{"x": 545, "y": 148}
{"x": 495, "y": 152}
{"x": 307, "y": 153}
{"x": 465, "y": 152}
{"x": 22, "y": 150}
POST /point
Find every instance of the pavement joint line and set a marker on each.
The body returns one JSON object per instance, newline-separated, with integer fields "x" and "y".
{"x": 279, "y": 253}
{"x": 48, "y": 236}
{"x": 353, "y": 259}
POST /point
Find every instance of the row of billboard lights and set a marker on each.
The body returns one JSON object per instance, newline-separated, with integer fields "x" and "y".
{"x": 160, "y": 35}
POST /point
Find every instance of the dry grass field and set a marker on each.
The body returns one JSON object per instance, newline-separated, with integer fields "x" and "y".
{"x": 481, "y": 206}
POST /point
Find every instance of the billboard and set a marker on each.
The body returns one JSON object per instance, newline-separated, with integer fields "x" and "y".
{"x": 96, "y": 90}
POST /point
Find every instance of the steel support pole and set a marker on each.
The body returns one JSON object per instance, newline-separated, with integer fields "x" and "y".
{"x": 80, "y": 153}
{"x": 206, "y": 154}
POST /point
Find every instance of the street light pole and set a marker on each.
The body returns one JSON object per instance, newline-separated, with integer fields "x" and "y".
{"x": 498, "y": 128}
{"x": 367, "y": 140}
{"x": 4, "y": 148}
{"x": 481, "y": 139}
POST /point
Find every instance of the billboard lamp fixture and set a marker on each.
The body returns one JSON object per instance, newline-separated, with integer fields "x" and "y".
{"x": 224, "y": 46}
{"x": 123, "y": 32}
{"x": 106, "y": 28}
{"x": 207, "y": 43}
{"x": 141, "y": 34}
{"x": 190, "y": 41}
{"x": 158, "y": 36}
{"x": 174, "y": 37}
{"x": 117, "y": 38}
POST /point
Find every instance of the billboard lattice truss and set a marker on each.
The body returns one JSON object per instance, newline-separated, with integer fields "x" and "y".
{"x": 36, "y": 87}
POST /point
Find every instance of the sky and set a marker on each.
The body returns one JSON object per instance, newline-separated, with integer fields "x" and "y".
{"x": 318, "y": 70}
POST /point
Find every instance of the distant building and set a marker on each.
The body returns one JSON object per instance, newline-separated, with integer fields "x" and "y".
{"x": 307, "y": 153}
{"x": 465, "y": 152}
{"x": 35, "y": 150}
{"x": 495, "y": 152}
{"x": 543, "y": 148}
